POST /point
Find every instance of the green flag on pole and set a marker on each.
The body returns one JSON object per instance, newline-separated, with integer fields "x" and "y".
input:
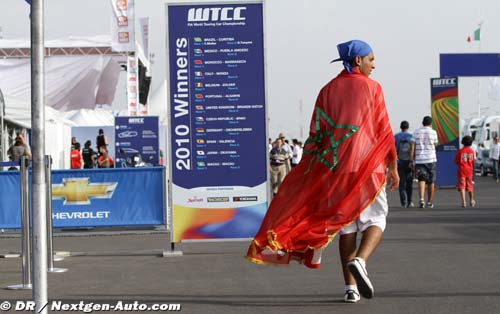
{"x": 477, "y": 34}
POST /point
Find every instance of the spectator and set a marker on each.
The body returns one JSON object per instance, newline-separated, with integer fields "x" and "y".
{"x": 288, "y": 150}
{"x": 101, "y": 140}
{"x": 424, "y": 156}
{"x": 339, "y": 186}
{"x": 495, "y": 156}
{"x": 297, "y": 152}
{"x": 76, "y": 157}
{"x": 88, "y": 155}
{"x": 404, "y": 140}
{"x": 465, "y": 161}
{"x": 104, "y": 160}
{"x": 279, "y": 161}
{"x": 19, "y": 149}
{"x": 73, "y": 142}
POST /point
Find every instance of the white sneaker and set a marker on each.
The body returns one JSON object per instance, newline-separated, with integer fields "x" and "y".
{"x": 351, "y": 296}
{"x": 358, "y": 271}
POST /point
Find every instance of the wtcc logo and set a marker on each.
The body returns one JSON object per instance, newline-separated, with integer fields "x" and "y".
{"x": 216, "y": 14}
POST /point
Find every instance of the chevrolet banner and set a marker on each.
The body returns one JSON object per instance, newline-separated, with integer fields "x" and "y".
{"x": 92, "y": 197}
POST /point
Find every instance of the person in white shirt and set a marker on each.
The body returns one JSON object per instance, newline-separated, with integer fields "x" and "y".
{"x": 495, "y": 156}
{"x": 423, "y": 152}
{"x": 297, "y": 152}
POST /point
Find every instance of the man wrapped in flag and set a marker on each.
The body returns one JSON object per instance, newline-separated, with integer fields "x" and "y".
{"x": 339, "y": 185}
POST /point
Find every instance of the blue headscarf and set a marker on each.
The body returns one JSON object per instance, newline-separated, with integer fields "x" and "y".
{"x": 349, "y": 50}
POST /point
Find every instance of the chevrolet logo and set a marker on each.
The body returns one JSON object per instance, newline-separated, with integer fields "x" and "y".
{"x": 78, "y": 191}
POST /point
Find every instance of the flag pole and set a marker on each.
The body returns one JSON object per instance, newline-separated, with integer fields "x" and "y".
{"x": 38, "y": 174}
{"x": 479, "y": 79}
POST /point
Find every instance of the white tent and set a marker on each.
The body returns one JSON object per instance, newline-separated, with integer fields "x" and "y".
{"x": 80, "y": 74}
{"x": 88, "y": 117}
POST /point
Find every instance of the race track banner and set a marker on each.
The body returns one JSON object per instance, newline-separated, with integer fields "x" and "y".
{"x": 218, "y": 120}
{"x": 136, "y": 135}
{"x": 93, "y": 197}
{"x": 445, "y": 116}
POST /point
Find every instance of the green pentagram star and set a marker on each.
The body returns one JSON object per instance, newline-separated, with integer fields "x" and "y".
{"x": 319, "y": 152}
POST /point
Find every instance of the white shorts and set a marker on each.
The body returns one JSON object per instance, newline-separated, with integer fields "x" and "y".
{"x": 374, "y": 215}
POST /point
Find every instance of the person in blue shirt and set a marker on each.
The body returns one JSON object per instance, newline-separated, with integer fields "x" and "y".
{"x": 403, "y": 141}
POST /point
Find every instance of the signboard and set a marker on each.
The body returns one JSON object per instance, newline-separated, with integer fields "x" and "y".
{"x": 469, "y": 64}
{"x": 217, "y": 120}
{"x": 93, "y": 197}
{"x": 136, "y": 136}
{"x": 445, "y": 116}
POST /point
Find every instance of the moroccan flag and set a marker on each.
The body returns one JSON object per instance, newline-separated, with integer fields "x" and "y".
{"x": 476, "y": 36}
{"x": 340, "y": 174}
{"x": 198, "y": 61}
{"x": 199, "y": 96}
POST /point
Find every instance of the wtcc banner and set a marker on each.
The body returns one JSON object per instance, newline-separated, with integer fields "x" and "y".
{"x": 89, "y": 198}
{"x": 218, "y": 120}
{"x": 445, "y": 120}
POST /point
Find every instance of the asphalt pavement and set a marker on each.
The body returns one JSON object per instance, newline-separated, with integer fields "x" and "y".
{"x": 440, "y": 260}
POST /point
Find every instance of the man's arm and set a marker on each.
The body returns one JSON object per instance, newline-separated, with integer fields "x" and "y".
{"x": 392, "y": 175}
{"x": 412, "y": 151}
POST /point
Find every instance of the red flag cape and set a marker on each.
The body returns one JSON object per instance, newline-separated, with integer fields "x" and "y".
{"x": 341, "y": 172}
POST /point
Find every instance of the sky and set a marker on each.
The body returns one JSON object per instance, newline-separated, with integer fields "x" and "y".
{"x": 301, "y": 38}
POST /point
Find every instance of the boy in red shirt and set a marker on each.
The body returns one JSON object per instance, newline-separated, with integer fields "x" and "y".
{"x": 465, "y": 161}
{"x": 76, "y": 157}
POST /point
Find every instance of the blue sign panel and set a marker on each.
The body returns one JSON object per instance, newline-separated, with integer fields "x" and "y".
{"x": 218, "y": 120}
{"x": 88, "y": 198}
{"x": 137, "y": 141}
{"x": 217, "y": 95}
{"x": 469, "y": 64}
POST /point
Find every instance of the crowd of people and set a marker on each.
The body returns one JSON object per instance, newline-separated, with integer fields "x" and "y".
{"x": 417, "y": 160}
{"x": 87, "y": 157}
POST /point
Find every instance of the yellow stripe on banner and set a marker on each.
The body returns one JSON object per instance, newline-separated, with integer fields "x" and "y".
{"x": 182, "y": 219}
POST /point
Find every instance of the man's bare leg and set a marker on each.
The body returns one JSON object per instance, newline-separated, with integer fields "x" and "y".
{"x": 421, "y": 190}
{"x": 347, "y": 250}
{"x": 430, "y": 193}
{"x": 369, "y": 242}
